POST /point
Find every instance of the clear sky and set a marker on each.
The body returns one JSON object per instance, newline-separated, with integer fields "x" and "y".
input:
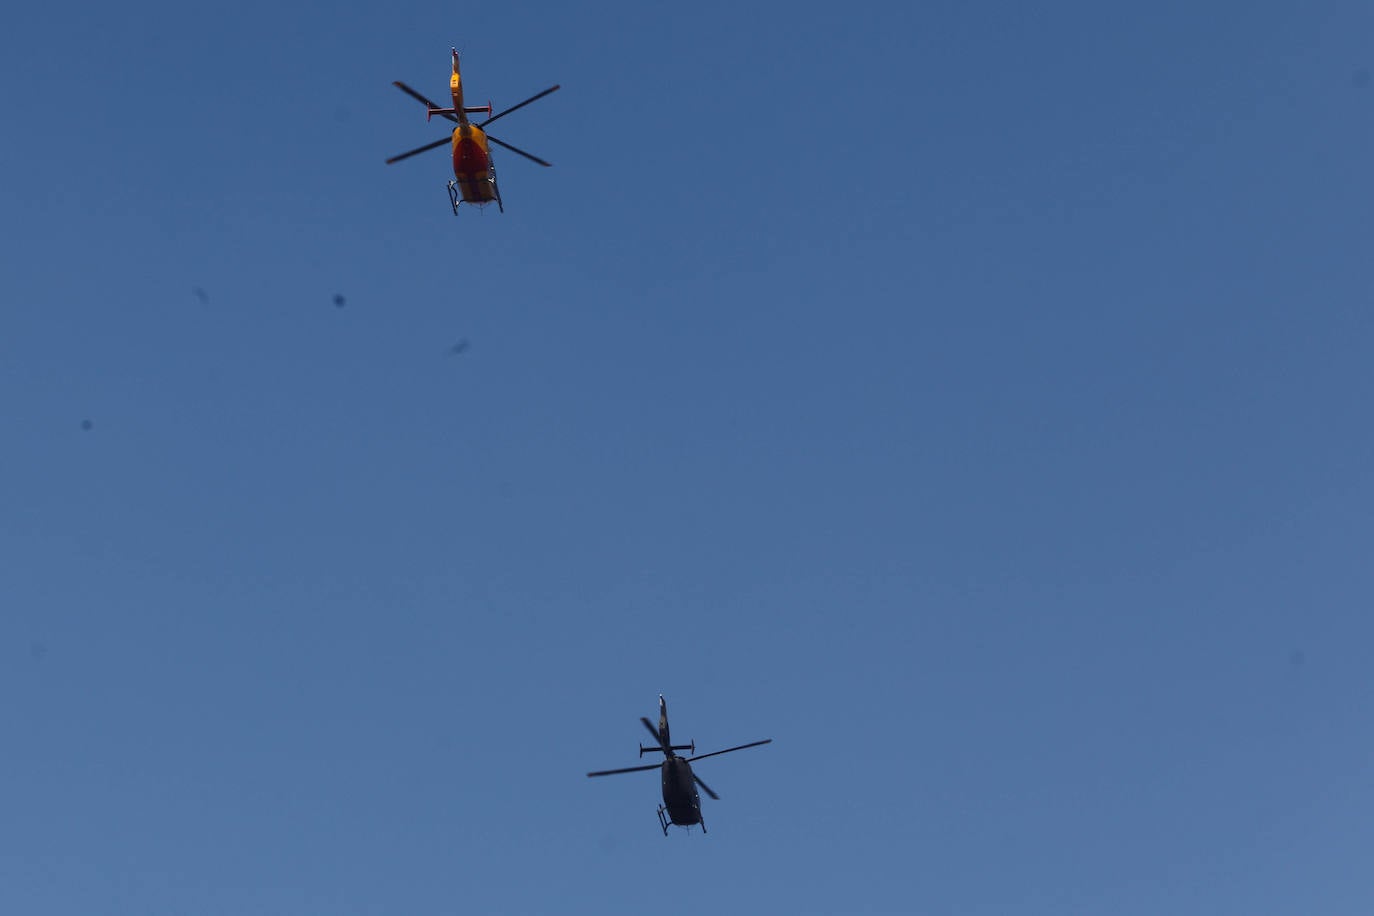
{"x": 974, "y": 398}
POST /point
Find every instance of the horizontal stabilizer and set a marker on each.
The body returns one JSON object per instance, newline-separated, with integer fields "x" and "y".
{"x": 691, "y": 748}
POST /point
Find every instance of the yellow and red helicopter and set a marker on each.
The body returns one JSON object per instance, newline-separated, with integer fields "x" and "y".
{"x": 474, "y": 175}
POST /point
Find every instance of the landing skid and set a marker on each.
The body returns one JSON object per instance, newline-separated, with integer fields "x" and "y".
{"x": 664, "y": 822}
{"x": 455, "y": 197}
{"x": 495, "y": 189}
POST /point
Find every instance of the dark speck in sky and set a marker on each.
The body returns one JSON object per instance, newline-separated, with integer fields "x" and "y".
{"x": 1297, "y": 658}
{"x": 201, "y": 294}
{"x": 458, "y": 348}
{"x": 338, "y": 300}
{"x": 87, "y": 425}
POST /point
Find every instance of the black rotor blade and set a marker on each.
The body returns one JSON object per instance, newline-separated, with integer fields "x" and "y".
{"x": 421, "y": 149}
{"x": 647, "y": 724}
{"x": 729, "y": 749}
{"x": 652, "y": 766}
{"x": 520, "y": 151}
{"x": 419, "y": 98}
{"x": 534, "y": 98}
{"x": 706, "y": 787}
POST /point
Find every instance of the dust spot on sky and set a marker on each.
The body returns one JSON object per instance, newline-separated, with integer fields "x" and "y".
{"x": 339, "y": 300}
{"x": 87, "y": 425}
{"x": 201, "y": 294}
{"x": 459, "y": 348}
{"x": 1297, "y": 658}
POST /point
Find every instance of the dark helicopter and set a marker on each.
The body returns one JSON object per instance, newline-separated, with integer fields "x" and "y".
{"x": 681, "y": 803}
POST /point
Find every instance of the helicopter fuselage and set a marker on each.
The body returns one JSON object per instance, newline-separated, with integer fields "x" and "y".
{"x": 680, "y": 796}
{"x": 472, "y": 168}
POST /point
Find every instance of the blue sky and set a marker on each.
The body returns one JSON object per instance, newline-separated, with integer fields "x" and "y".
{"x": 973, "y": 398}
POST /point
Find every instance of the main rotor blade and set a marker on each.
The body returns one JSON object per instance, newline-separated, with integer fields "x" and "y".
{"x": 706, "y": 787}
{"x": 421, "y": 149}
{"x": 652, "y": 766}
{"x": 647, "y": 724}
{"x": 534, "y": 98}
{"x": 520, "y": 151}
{"x": 729, "y": 749}
{"x": 419, "y": 98}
